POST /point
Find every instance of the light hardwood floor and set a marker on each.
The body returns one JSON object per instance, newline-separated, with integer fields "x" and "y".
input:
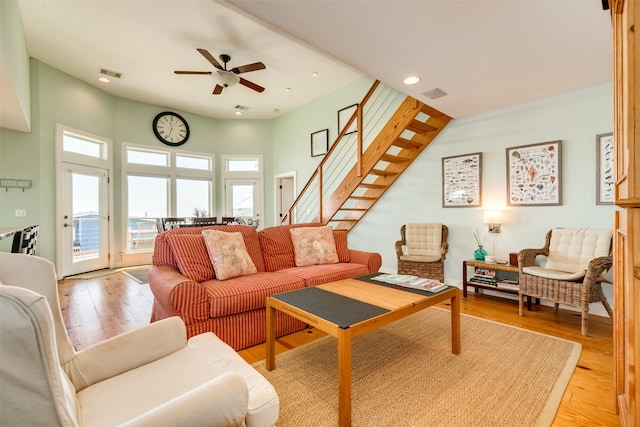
{"x": 97, "y": 309}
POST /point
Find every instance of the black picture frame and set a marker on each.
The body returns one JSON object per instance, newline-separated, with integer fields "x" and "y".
{"x": 343, "y": 117}
{"x": 319, "y": 143}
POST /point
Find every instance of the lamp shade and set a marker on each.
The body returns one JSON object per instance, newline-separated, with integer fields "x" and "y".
{"x": 225, "y": 78}
{"x": 493, "y": 217}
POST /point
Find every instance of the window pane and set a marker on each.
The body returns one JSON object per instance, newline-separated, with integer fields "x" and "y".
{"x": 77, "y": 145}
{"x": 144, "y": 157}
{"x": 86, "y": 221}
{"x": 193, "y": 197}
{"x": 193, "y": 162}
{"x": 147, "y": 200}
{"x": 242, "y": 165}
{"x": 242, "y": 200}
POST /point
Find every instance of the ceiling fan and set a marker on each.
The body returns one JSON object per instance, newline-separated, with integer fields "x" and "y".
{"x": 225, "y": 78}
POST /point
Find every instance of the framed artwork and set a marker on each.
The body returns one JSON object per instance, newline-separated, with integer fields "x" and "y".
{"x": 319, "y": 142}
{"x": 533, "y": 175}
{"x": 604, "y": 169}
{"x": 343, "y": 117}
{"x": 461, "y": 181}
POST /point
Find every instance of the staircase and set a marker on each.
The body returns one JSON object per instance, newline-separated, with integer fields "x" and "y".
{"x": 393, "y": 130}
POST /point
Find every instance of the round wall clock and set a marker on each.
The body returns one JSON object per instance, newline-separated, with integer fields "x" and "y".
{"x": 171, "y": 128}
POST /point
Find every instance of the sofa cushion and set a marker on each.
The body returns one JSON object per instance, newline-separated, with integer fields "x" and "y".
{"x": 244, "y": 293}
{"x": 342, "y": 247}
{"x": 277, "y": 248}
{"x": 313, "y": 246}
{"x": 191, "y": 256}
{"x": 162, "y": 254}
{"x": 317, "y": 274}
{"x": 571, "y": 249}
{"x": 228, "y": 254}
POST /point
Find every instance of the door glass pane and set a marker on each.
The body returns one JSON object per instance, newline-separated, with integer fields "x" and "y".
{"x": 193, "y": 197}
{"x": 86, "y": 219}
{"x": 147, "y": 200}
{"x": 242, "y": 201}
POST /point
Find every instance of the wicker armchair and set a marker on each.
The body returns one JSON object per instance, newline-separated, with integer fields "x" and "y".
{"x": 573, "y": 274}
{"x": 422, "y": 250}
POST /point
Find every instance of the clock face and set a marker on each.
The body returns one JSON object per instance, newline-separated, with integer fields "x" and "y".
{"x": 170, "y": 128}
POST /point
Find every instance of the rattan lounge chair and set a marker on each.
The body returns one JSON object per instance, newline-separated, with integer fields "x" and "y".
{"x": 422, "y": 250}
{"x": 573, "y": 273}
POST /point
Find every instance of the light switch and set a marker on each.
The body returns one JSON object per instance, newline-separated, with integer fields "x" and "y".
{"x": 21, "y": 212}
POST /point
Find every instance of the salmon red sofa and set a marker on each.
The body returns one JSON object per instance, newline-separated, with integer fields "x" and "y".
{"x": 184, "y": 282}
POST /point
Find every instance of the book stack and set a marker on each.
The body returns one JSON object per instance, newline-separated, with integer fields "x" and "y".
{"x": 410, "y": 281}
{"x": 483, "y": 276}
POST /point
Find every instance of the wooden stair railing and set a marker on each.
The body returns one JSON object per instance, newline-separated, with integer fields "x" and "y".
{"x": 409, "y": 131}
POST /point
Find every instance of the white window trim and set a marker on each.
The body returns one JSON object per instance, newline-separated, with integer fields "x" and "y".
{"x": 258, "y": 175}
{"x": 171, "y": 172}
{"x": 104, "y": 162}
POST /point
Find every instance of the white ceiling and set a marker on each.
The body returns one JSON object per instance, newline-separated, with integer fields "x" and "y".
{"x": 485, "y": 54}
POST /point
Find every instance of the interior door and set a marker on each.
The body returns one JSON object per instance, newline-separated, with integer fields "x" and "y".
{"x": 84, "y": 222}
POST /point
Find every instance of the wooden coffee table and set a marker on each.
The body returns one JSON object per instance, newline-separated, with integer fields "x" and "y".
{"x": 372, "y": 305}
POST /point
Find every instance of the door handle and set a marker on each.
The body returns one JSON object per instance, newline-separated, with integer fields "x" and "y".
{"x": 67, "y": 225}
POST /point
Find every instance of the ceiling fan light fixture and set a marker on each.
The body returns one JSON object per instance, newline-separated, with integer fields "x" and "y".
{"x": 225, "y": 78}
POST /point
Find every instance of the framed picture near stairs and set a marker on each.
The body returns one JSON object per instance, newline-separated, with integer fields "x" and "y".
{"x": 343, "y": 117}
{"x": 462, "y": 181}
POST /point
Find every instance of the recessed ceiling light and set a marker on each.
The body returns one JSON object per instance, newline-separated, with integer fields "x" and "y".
{"x": 287, "y": 89}
{"x": 103, "y": 79}
{"x": 314, "y": 74}
{"x": 411, "y": 80}
{"x": 238, "y": 113}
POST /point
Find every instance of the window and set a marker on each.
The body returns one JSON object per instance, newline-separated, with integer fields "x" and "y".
{"x": 163, "y": 183}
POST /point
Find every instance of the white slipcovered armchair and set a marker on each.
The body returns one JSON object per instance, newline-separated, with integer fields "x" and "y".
{"x": 152, "y": 376}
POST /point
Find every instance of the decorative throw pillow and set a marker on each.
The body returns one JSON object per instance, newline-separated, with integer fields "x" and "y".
{"x": 191, "y": 255}
{"x": 313, "y": 245}
{"x": 228, "y": 254}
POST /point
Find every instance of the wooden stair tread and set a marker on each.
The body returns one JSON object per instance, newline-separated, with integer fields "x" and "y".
{"x": 353, "y": 209}
{"x": 393, "y": 159}
{"x": 381, "y": 172}
{"x": 406, "y": 143}
{"x": 363, "y": 198}
{"x": 374, "y": 186}
{"x": 344, "y": 219}
{"x": 420, "y": 127}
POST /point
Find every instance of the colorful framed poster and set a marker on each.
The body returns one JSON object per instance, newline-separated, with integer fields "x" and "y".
{"x": 534, "y": 175}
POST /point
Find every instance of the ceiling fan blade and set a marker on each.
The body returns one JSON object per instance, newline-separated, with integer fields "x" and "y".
{"x": 210, "y": 58}
{"x": 251, "y": 85}
{"x": 193, "y": 72}
{"x": 249, "y": 67}
{"x": 217, "y": 90}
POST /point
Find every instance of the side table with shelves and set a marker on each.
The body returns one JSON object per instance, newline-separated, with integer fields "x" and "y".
{"x": 498, "y": 277}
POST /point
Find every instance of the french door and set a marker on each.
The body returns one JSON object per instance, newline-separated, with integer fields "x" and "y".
{"x": 243, "y": 198}
{"x": 84, "y": 222}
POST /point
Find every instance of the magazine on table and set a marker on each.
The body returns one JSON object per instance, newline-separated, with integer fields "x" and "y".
{"x": 410, "y": 281}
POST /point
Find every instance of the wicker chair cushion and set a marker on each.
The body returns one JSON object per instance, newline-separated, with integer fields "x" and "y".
{"x": 553, "y": 274}
{"x": 420, "y": 258}
{"x": 424, "y": 240}
{"x": 570, "y": 250}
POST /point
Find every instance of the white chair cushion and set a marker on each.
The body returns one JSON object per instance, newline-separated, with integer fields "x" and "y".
{"x": 553, "y": 274}
{"x": 424, "y": 240}
{"x": 571, "y": 249}
{"x": 420, "y": 258}
{"x": 204, "y": 358}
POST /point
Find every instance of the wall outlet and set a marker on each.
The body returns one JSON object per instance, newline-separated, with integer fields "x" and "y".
{"x": 21, "y": 212}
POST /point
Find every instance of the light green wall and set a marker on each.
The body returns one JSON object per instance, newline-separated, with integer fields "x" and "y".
{"x": 292, "y": 131}
{"x": 575, "y": 118}
{"x": 14, "y": 55}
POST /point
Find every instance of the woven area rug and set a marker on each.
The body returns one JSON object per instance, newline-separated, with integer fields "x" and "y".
{"x": 404, "y": 374}
{"x": 140, "y": 275}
